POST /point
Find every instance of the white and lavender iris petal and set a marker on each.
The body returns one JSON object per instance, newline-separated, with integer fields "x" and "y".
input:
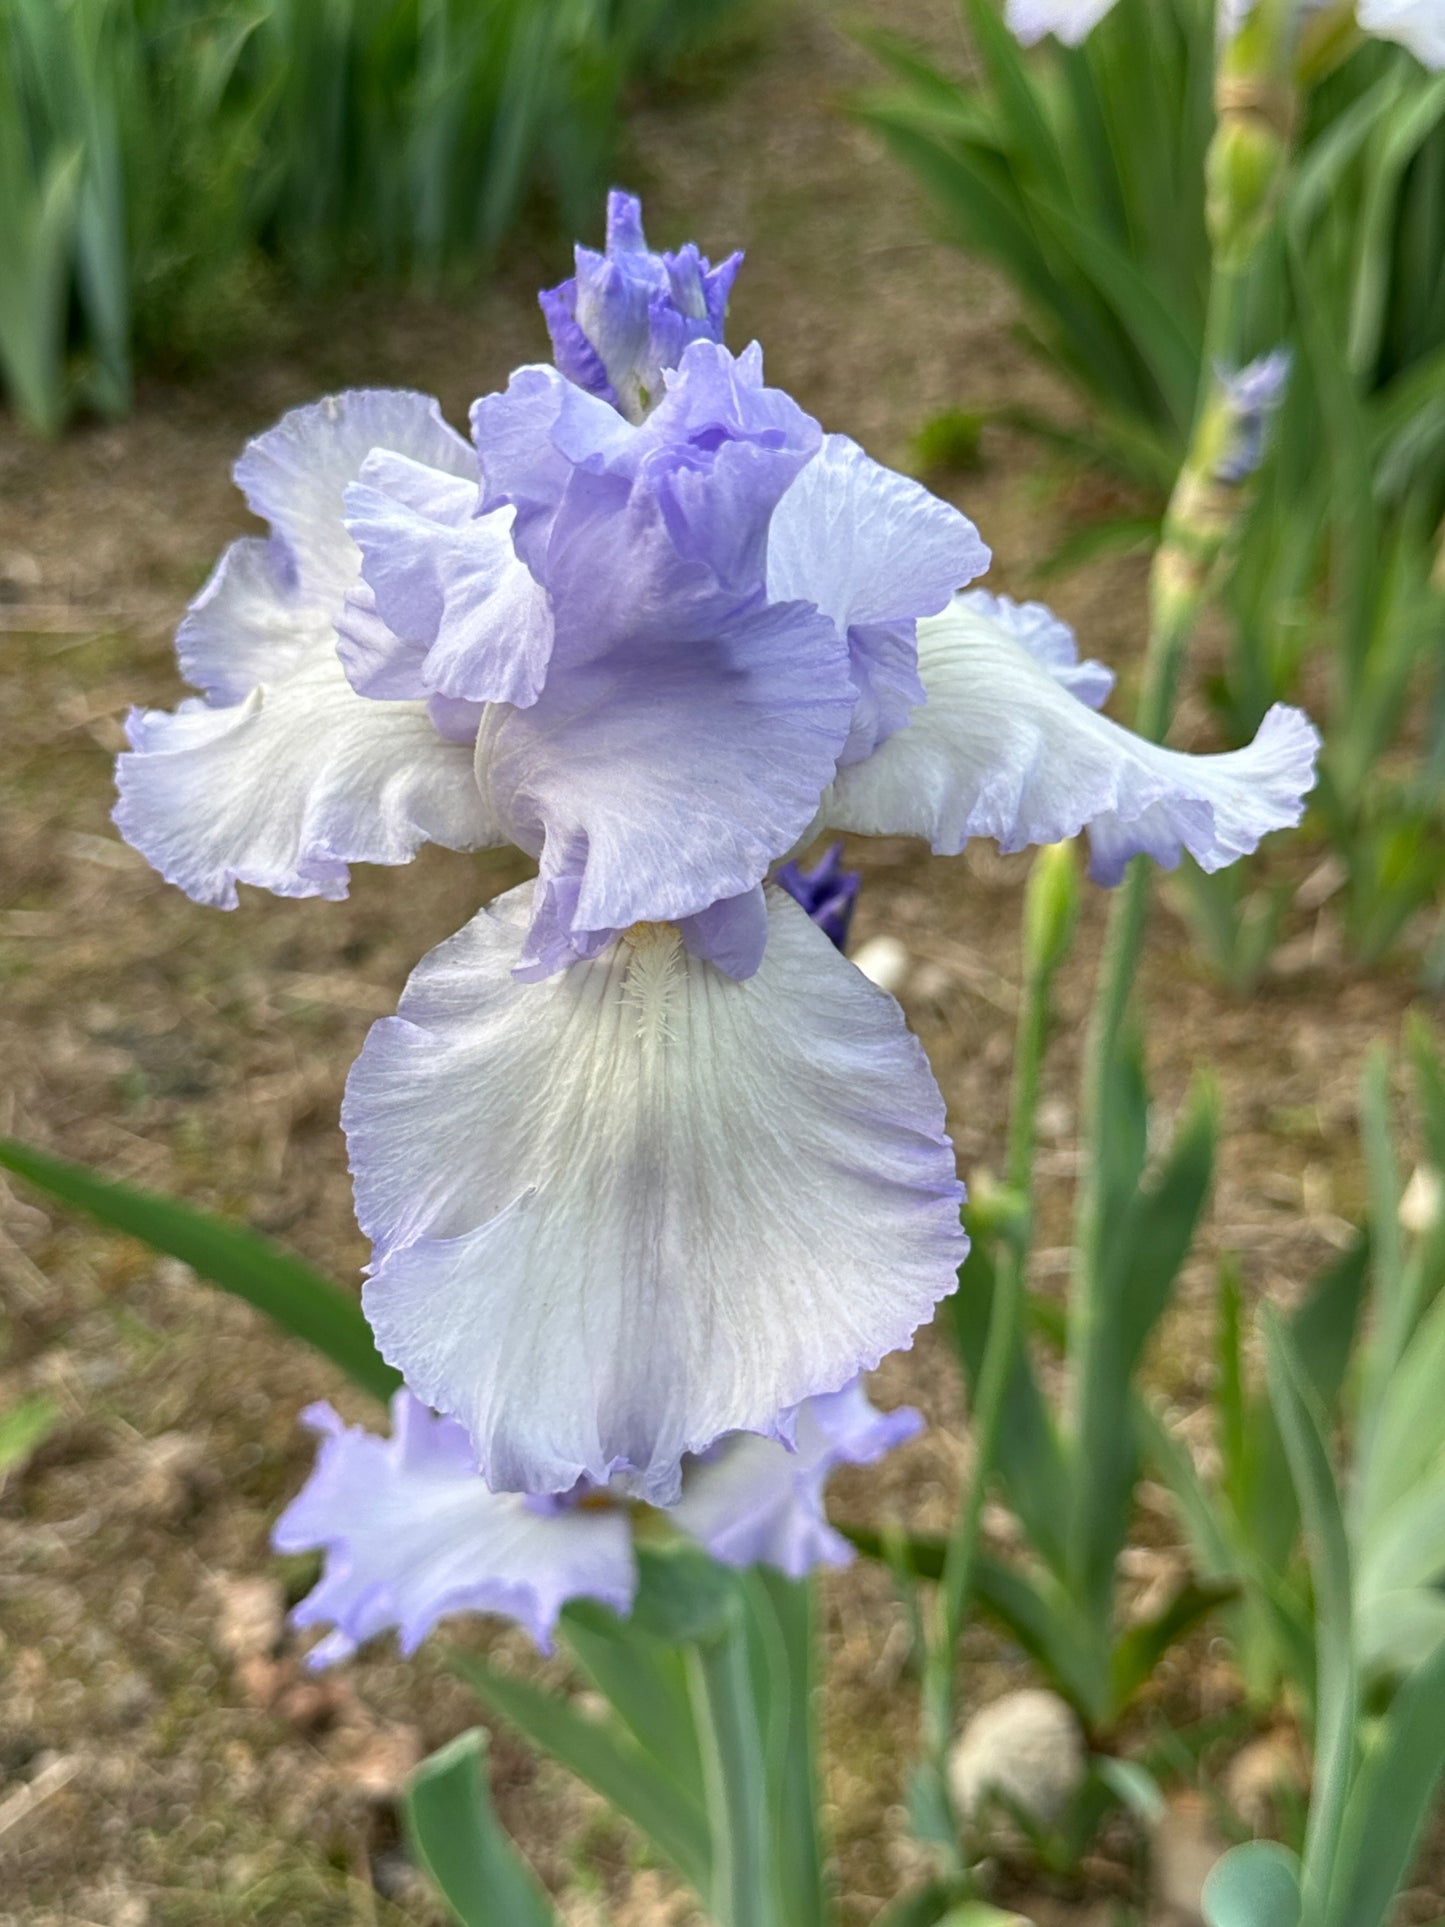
{"x": 295, "y": 475}
{"x": 283, "y": 775}
{"x": 665, "y": 778}
{"x": 751, "y": 1501}
{"x": 716, "y": 455}
{"x": 411, "y": 1534}
{"x": 288, "y": 788}
{"x": 873, "y": 551}
{"x": 1416, "y": 24}
{"x": 1071, "y": 21}
{"x": 689, "y": 721}
{"x": 461, "y": 616}
{"x": 621, "y": 1213}
{"x": 1004, "y": 749}
{"x": 627, "y": 315}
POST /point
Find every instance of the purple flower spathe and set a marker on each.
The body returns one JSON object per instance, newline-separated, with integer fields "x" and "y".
{"x": 411, "y": 1533}
{"x": 627, "y": 315}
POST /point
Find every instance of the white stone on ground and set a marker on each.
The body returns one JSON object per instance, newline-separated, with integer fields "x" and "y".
{"x": 1027, "y": 1747}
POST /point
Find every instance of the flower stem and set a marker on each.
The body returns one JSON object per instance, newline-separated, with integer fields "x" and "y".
{"x": 1248, "y": 158}
{"x": 734, "y": 1772}
{"x": 1048, "y": 930}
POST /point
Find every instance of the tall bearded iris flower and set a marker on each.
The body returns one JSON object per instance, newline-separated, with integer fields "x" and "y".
{"x": 644, "y": 1160}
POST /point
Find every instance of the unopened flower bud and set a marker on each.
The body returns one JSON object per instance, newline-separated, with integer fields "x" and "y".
{"x": 1243, "y": 171}
{"x": 1248, "y": 399}
{"x": 1051, "y": 904}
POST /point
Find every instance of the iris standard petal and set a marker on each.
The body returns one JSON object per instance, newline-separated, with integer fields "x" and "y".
{"x": 873, "y": 551}
{"x": 621, "y": 1213}
{"x": 461, "y": 615}
{"x": 530, "y": 439}
{"x": 1003, "y": 749}
{"x": 246, "y": 626}
{"x": 689, "y": 723}
{"x": 714, "y": 457}
{"x": 294, "y": 476}
{"x": 751, "y": 1501}
{"x": 411, "y": 1533}
{"x": 287, "y": 788}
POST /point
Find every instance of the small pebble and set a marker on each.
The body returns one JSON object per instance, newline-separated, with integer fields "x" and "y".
{"x": 884, "y": 962}
{"x": 250, "y": 1615}
{"x": 1026, "y": 1746}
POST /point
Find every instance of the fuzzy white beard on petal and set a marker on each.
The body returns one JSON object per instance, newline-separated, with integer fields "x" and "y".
{"x": 623, "y": 1211}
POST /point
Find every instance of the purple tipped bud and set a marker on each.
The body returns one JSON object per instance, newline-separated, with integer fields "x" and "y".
{"x": 827, "y": 892}
{"x": 628, "y": 314}
{"x": 1251, "y": 396}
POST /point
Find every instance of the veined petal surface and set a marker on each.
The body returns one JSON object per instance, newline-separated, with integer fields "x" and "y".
{"x": 295, "y": 475}
{"x": 1002, "y": 748}
{"x": 284, "y": 775}
{"x": 287, "y": 788}
{"x": 461, "y": 615}
{"x": 411, "y": 1533}
{"x": 873, "y": 551}
{"x": 625, "y": 1211}
{"x": 751, "y": 1501}
{"x": 664, "y": 779}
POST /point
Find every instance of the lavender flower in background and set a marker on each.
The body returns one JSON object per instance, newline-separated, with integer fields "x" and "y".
{"x": 1418, "y": 25}
{"x": 627, "y": 314}
{"x": 1068, "y": 20}
{"x": 1251, "y": 396}
{"x": 411, "y": 1533}
{"x": 828, "y": 892}
{"x": 751, "y": 1501}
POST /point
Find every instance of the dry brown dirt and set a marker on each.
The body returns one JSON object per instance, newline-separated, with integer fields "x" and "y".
{"x": 160, "y": 1765}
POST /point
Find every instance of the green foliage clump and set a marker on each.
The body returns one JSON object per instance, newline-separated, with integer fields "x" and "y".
{"x": 167, "y": 165}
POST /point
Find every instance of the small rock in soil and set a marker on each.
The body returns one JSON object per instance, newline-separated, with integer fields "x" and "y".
{"x": 250, "y": 1615}
{"x": 1026, "y": 1747}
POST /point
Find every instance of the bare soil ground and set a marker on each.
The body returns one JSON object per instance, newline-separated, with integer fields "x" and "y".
{"x": 160, "y": 1764}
